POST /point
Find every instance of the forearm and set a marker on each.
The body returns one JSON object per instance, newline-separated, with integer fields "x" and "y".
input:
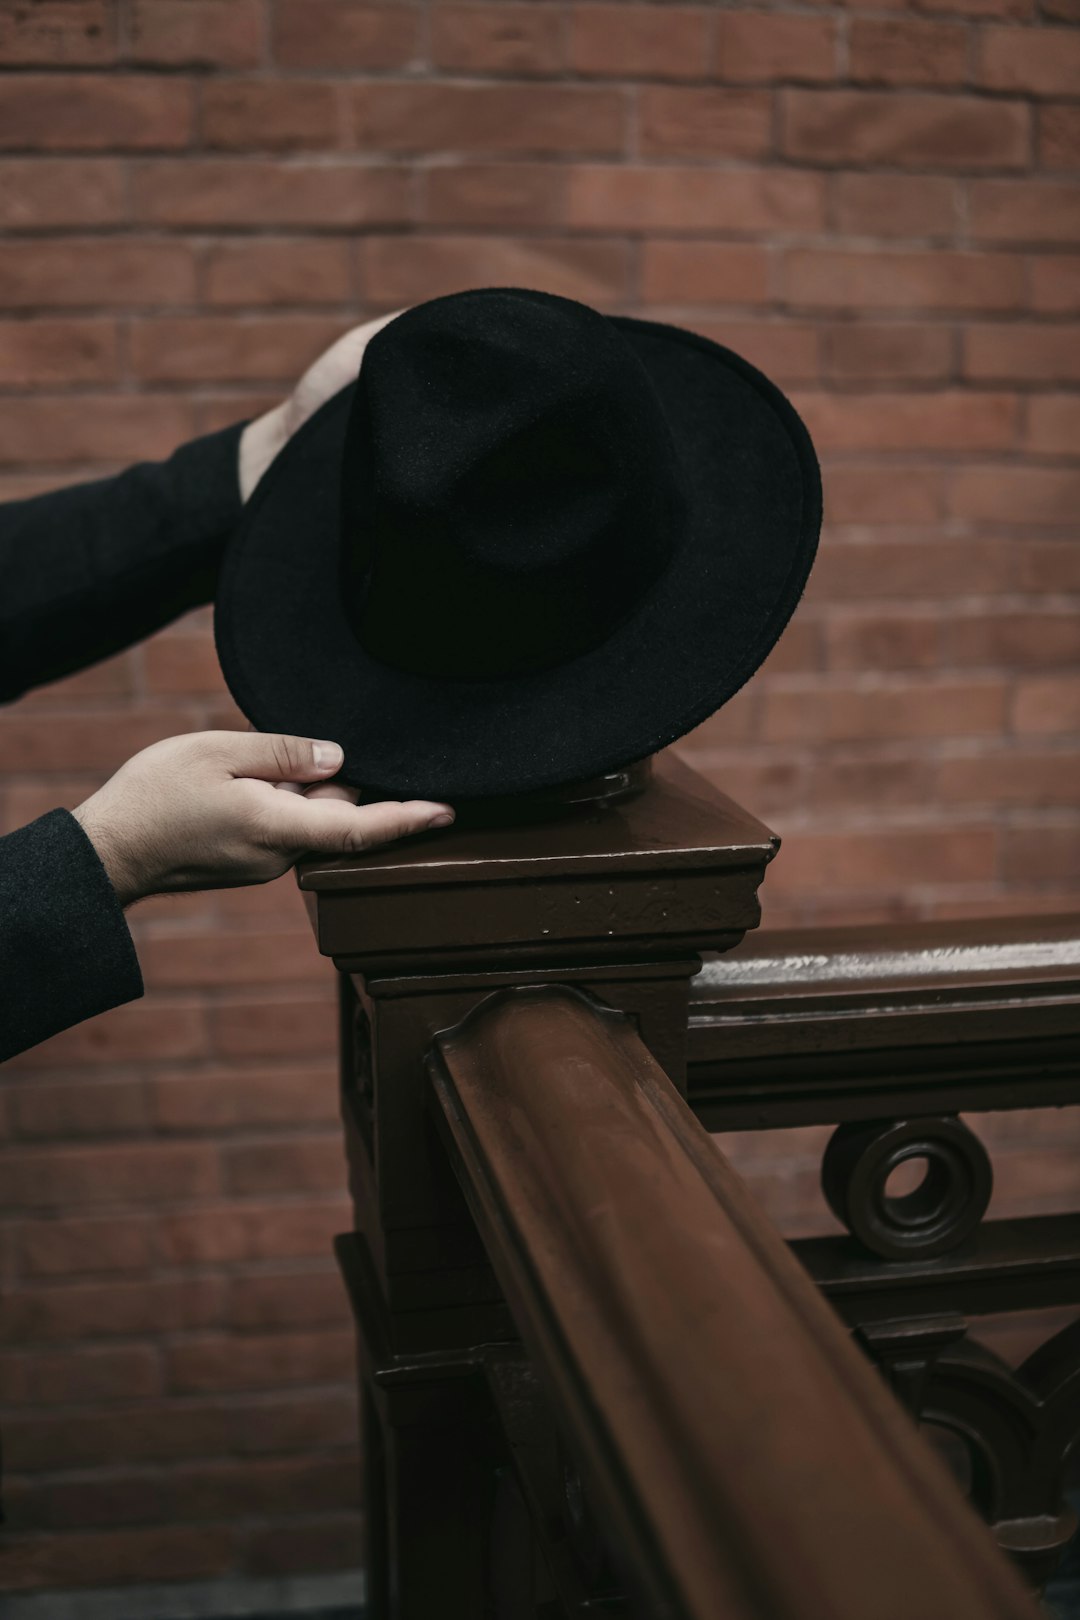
{"x": 65, "y": 950}
{"x": 87, "y": 571}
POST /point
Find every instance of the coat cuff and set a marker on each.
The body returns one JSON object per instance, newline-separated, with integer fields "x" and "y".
{"x": 65, "y": 948}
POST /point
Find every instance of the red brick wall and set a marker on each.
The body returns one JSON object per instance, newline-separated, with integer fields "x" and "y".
{"x": 879, "y": 207}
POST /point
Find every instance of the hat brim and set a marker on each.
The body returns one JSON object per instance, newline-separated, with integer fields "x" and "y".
{"x": 294, "y": 664}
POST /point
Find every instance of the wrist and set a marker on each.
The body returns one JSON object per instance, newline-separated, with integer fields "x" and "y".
{"x": 260, "y": 442}
{"x": 120, "y": 868}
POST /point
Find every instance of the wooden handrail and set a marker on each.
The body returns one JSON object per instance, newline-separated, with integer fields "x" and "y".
{"x": 816, "y": 1026}
{"x": 741, "y": 1456}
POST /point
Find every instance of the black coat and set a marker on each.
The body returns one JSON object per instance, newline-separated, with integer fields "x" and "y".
{"x": 84, "y": 573}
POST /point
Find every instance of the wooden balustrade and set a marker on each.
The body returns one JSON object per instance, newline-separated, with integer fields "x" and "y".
{"x": 890, "y": 1033}
{"x": 610, "y": 1375}
{"x": 743, "y": 1458}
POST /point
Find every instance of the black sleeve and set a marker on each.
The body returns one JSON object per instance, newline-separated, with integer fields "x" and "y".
{"x": 65, "y": 950}
{"x": 87, "y": 571}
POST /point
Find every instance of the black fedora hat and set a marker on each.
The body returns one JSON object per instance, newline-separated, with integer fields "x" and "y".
{"x": 529, "y": 544}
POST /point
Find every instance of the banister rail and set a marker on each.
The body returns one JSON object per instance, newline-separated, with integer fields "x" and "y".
{"x": 817, "y": 1026}
{"x": 742, "y": 1457}
{"x": 816, "y": 1498}
{"x": 891, "y": 1034}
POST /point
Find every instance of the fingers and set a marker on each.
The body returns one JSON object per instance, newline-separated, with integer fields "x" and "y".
{"x": 335, "y": 827}
{"x": 329, "y": 790}
{"x": 274, "y": 757}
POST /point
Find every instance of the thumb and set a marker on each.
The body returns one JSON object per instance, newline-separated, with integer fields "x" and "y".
{"x": 270, "y": 756}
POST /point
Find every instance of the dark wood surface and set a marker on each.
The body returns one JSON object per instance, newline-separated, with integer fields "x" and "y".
{"x": 671, "y": 870}
{"x": 824, "y": 1025}
{"x": 885, "y": 1033}
{"x": 617, "y": 897}
{"x": 741, "y": 1456}
{"x": 891, "y": 1034}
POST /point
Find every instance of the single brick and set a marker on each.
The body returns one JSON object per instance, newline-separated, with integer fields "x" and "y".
{"x": 203, "y": 1366}
{"x": 1045, "y": 705}
{"x": 1053, "y": 424}
{"x": 223, "y": 1100}
{"x": 64, "y": 1377}
{"x": 58, "y": 33}
{"x": 1059, "y": 136}
{"x": 704, "y": 273}
{"x": 484, "y": 38}
{"x": 644, "y": 42}
{"x": 299, "y": 1023}
{"x": 945, "y": 420}
{"x": 80, "y": 1109}
{"x": 487, "y": 118}
{"x": 912, "y": 131}
{"x": 264, "y": 1486}
{"x": 1043, "y": 61}
{"x": 253, "y": 192}
{"x": 508, "y": 194}
{"x": 44, "y": 353}
{"x": 289, "y": 1299}
{"x": 1018, "y": 640}
{"x": 883, "y": 494}
{"x": 252, "y": 1231}
{"x": 1029, "y": 210}
{"x": 1016, "y": 494}
{"x": 282, "y": 270}
{"x": 903, "y": 279}
{"x": 112, "y": 1557}
{"x": 874, "y": 860}
{"x": 894, "y": 205}
{"x": 692, "y": 122}
{"x": 196, "y": 33}
{"x": 871, "y": 781}
{"x": 342, "y": 35}
{"x": 80, "y": 112}
{"x": 767, "y": 47}
{"x": 264, "y": 115}
{"x": 917, "y": 568}
{"x": 329, "y": 1543}
{"x": 42, "y": 193}
{"x": 1019, "y": 776}
{"x": 1022, "y": 351}
{"x": 306, "y": 1164}
{"x": 672, "y": 198}
{"x": 859, "y": 351}
{"x": 899, "y": 51}
{"x": 86, "y": 272}
{"x": 76, "y": 1247}
{"x": 873, "y": 640}
{"x": 1042, "y": 854}
{"x": 146, "y": 1172}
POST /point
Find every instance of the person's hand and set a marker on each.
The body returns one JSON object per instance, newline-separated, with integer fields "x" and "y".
{"x": 219, "y": 809}
{"x": 335, "y": 369}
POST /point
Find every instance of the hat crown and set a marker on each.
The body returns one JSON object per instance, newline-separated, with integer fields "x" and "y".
{"x": 511, "y": 488}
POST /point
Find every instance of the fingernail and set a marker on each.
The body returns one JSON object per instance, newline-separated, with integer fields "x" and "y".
{"x": 443, "y": 819}
{"x": 328, "y": 756}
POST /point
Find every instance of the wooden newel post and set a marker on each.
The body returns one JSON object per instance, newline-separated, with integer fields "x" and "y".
{"x": 615, "y": 892}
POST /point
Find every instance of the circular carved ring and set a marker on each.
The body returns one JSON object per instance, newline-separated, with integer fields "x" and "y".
{"x": 937, "y": 1215}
